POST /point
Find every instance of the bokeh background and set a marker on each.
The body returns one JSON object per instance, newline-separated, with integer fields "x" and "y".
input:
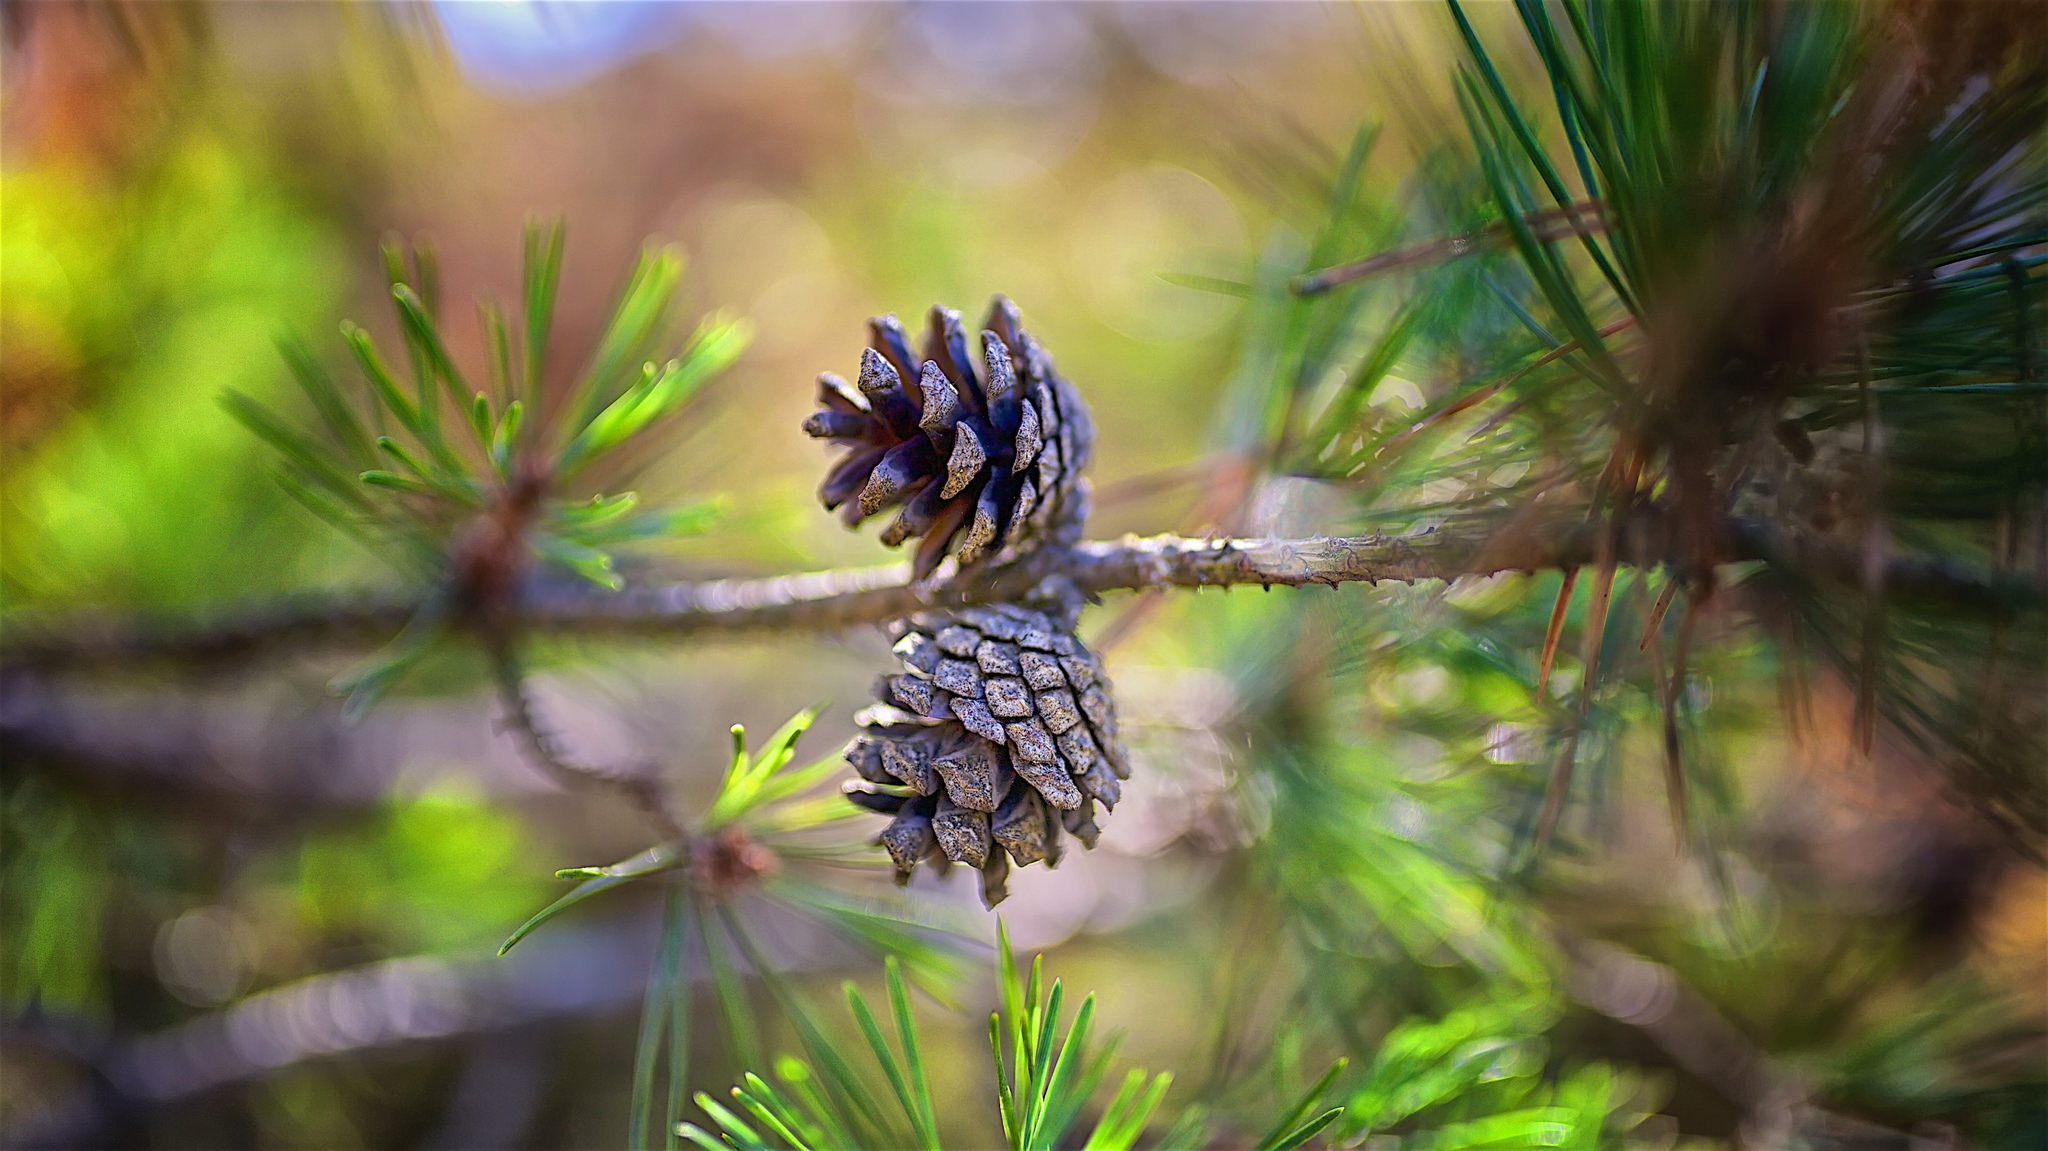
{"x": 228, "y": 919}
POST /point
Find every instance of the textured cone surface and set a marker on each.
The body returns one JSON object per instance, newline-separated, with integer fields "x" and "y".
{"x": 981, "y": 456}
{"x": 1002, "y": 728}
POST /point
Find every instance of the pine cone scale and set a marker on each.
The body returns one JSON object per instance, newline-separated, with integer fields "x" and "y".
{"x": 975, "y": 716}
{"x": 965, "y": 462}
{"x": 1006, "y": 698}
{"x": 963, "y": 834}
{"x": 999, "y": 658}
{"x": 1021, "y": 827}
{"x": 1057, "y": 709}
{"x": 909, "y": 837}
{"x": 902, "y": 472}
{"x": 848, "y": 477}
{"x": 887, "y": 336}
{"x": 1028, "y": 441}
{"x": 1041, "y": 670}
{"x": 958, "y": 677}
{"x": 882, "y": 386}
{"x": 1050, "y": 781}
{"x": 941, "y": 405}
{"x": 976, "y": 776}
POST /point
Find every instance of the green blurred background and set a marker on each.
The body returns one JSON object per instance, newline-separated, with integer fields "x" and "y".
{"x": 267, "y": 929}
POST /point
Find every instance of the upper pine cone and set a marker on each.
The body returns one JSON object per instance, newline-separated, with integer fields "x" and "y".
{"x": 1005, "y": 734}
{"x": 991, "y": 459}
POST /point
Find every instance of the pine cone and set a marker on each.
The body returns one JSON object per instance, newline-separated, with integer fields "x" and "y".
{"x": 1002, "y": 727}
{"x": 980, "y": 464}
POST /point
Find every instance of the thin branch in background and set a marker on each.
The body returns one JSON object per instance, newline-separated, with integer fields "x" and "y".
{"x": 1146, "y": 485}
{"x": 1480, "y": 395}
{"x": 209, "y": 639}
{"x": 640, "y": 788}
{"x": 1554, "y": 633}
{"x": 1624, "y": 471}
{"x": 385, "y": 1005}
{"x": 569, "y": 973}
{"x": 1584, "y": 218}
{"x": 1664, "y": 690}
{"x": 1876, "y": 546}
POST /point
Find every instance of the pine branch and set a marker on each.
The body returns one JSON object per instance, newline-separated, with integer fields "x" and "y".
{"x": 162, "y": 749}
{"x": 231, "y": 635}
{"x": 843, "y": 598}
{"x": 639, "y": 788}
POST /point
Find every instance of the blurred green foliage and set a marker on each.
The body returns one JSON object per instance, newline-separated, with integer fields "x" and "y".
{"x": 56, "y": 886}
{"x": 1476, "y": 1078}
{"x": 146, "y": 297}
{"x": 440, "y": 871}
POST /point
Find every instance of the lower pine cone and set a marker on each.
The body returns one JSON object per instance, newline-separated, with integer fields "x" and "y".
{"x": 999, "y": 733}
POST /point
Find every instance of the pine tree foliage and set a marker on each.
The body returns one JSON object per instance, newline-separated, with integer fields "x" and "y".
{"x": 1749, "y": 294}
{"x": 464, "y": 487}
{"x": 1770, "y": 276}
{"x": 765, "y": 840}
{"x": 1045, "y": 1083}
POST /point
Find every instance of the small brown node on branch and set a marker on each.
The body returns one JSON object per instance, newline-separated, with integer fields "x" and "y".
{"x": 728, "y": 860}
{"x": 488, "y": 556}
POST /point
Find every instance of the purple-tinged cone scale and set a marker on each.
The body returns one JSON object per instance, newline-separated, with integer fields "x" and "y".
{"x": 981, "y": 457}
